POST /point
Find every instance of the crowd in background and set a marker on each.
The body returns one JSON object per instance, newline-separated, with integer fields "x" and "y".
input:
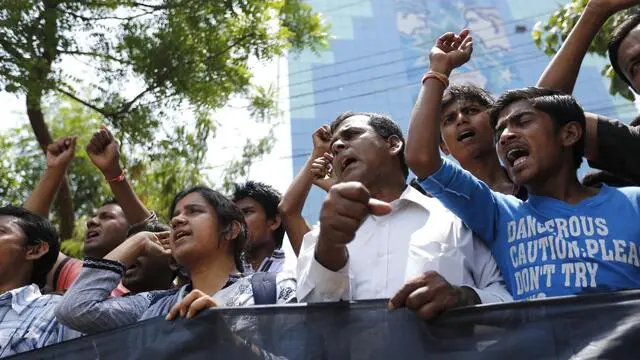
{"x": 508, "y": 220}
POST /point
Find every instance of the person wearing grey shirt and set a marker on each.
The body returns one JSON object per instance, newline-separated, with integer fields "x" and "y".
{"x": 207, "y": 238}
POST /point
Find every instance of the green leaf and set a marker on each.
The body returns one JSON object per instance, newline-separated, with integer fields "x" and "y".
{"x": 548, "y": 36}
{"x": 181, "y": 54}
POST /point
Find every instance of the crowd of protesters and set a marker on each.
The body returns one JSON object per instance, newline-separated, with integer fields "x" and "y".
{"x": 509, "y": 220}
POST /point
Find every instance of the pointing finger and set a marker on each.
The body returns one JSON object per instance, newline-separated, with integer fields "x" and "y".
{"x": 379, "y": 208}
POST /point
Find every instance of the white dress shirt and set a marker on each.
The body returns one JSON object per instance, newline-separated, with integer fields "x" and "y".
{"x": 419, "y": 235}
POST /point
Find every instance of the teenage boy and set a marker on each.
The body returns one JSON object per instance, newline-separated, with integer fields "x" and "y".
{"x": 265, "y": 230}
{"x": 566, "y": 238}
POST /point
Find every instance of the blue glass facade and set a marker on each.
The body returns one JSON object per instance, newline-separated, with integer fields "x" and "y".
{"x": 380, "y": 50}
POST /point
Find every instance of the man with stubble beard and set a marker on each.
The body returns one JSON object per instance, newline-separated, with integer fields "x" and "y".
{"x": 379, "y": 237}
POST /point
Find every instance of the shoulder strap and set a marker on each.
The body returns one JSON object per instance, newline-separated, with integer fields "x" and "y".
{"x": 264, "y": 288}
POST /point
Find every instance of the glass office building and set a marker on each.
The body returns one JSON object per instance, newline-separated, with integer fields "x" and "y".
{"x": 379, "y": 53}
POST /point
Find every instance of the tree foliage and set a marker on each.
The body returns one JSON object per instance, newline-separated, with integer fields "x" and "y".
{"x": 23, "y": 163}
{"x": 550, "y": 35}
{"x": 154, "y": 61}
{"x": 156, "y": 176}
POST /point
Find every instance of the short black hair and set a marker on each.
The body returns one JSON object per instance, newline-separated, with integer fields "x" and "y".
{"x": 383, "y": 126}
{"x": 37, "y": 230}
{"x": 635, "y": 122}
{"x": 267, "y": 197}
{"x": 151, "y": 226}
{"x": 226, "y": 212}
{"x": 597, "y": 178}
{"x": 562, "y": 109}
{"x": 468, "y": 92}
{"x": 619, "y": 34}
{"x": 110, "y": 202}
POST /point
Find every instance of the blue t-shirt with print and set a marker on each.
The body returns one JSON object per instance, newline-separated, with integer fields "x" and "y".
{"x": 545, "y": 247}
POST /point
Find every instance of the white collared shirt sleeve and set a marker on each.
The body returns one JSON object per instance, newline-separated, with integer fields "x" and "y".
{"x": 489, "y": 284}
{"x": 464, "y": 260}
{"x": 315, "y": 282}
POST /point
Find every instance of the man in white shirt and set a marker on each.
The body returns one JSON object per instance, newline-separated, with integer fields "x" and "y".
{"x": 379, "y": 238}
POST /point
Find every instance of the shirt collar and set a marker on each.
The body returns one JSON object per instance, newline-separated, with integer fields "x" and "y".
{"x": 21, "y": 297}
{"x": 408, "y": 196}
{"x": 277, "y": 255}
{"x": 411, "y": 195}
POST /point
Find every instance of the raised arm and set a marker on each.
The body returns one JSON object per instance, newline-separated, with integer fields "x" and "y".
{"x": 608, "y": 139}
{"x": 422, "y": 151}
{"x": 562, "y": 71}
{"x": 87, "y": 306}
{"x": 292, "y": 202}
{"x": 59, "y": 156}
{"x": 105, "y": 155}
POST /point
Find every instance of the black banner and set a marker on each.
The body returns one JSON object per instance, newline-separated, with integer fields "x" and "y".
{"x": 588, "y": 327}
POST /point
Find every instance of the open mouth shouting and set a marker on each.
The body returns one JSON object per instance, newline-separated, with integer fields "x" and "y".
{"x": 465, "y": 134}
{"x": 346, "y": 162}
{"x": 516, "y": 155}
{"x": 92, "y": 235}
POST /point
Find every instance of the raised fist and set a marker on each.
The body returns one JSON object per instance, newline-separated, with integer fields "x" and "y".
{"x": 451, "y": 51}
{"x": 321, "y": 172}
{"x": 321, "y": 140}
{"x": 104, "y": 153}
{"x": 344, "y": 209}
{"x": 61, "y": 152}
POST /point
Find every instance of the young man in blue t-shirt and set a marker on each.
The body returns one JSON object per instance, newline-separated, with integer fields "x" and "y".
{"x": 566, "y": 238}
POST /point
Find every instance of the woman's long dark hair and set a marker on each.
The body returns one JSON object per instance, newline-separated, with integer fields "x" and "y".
{"x": 226, "y": 212}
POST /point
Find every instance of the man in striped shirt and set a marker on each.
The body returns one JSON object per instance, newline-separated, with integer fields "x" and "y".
{"x": 259, "y": 204}
{"x": 28, "y": 249}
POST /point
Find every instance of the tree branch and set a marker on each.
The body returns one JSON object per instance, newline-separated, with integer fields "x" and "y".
{"x": 93, "y": 54}
{"x": 234, "y": 44}
{"x": 83, "y": 102}
{"x": 127, "y": 106}
{"x": 10, "y": 49}
{"x": 154, "y": 7}
{"x": 98, "y": 18}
